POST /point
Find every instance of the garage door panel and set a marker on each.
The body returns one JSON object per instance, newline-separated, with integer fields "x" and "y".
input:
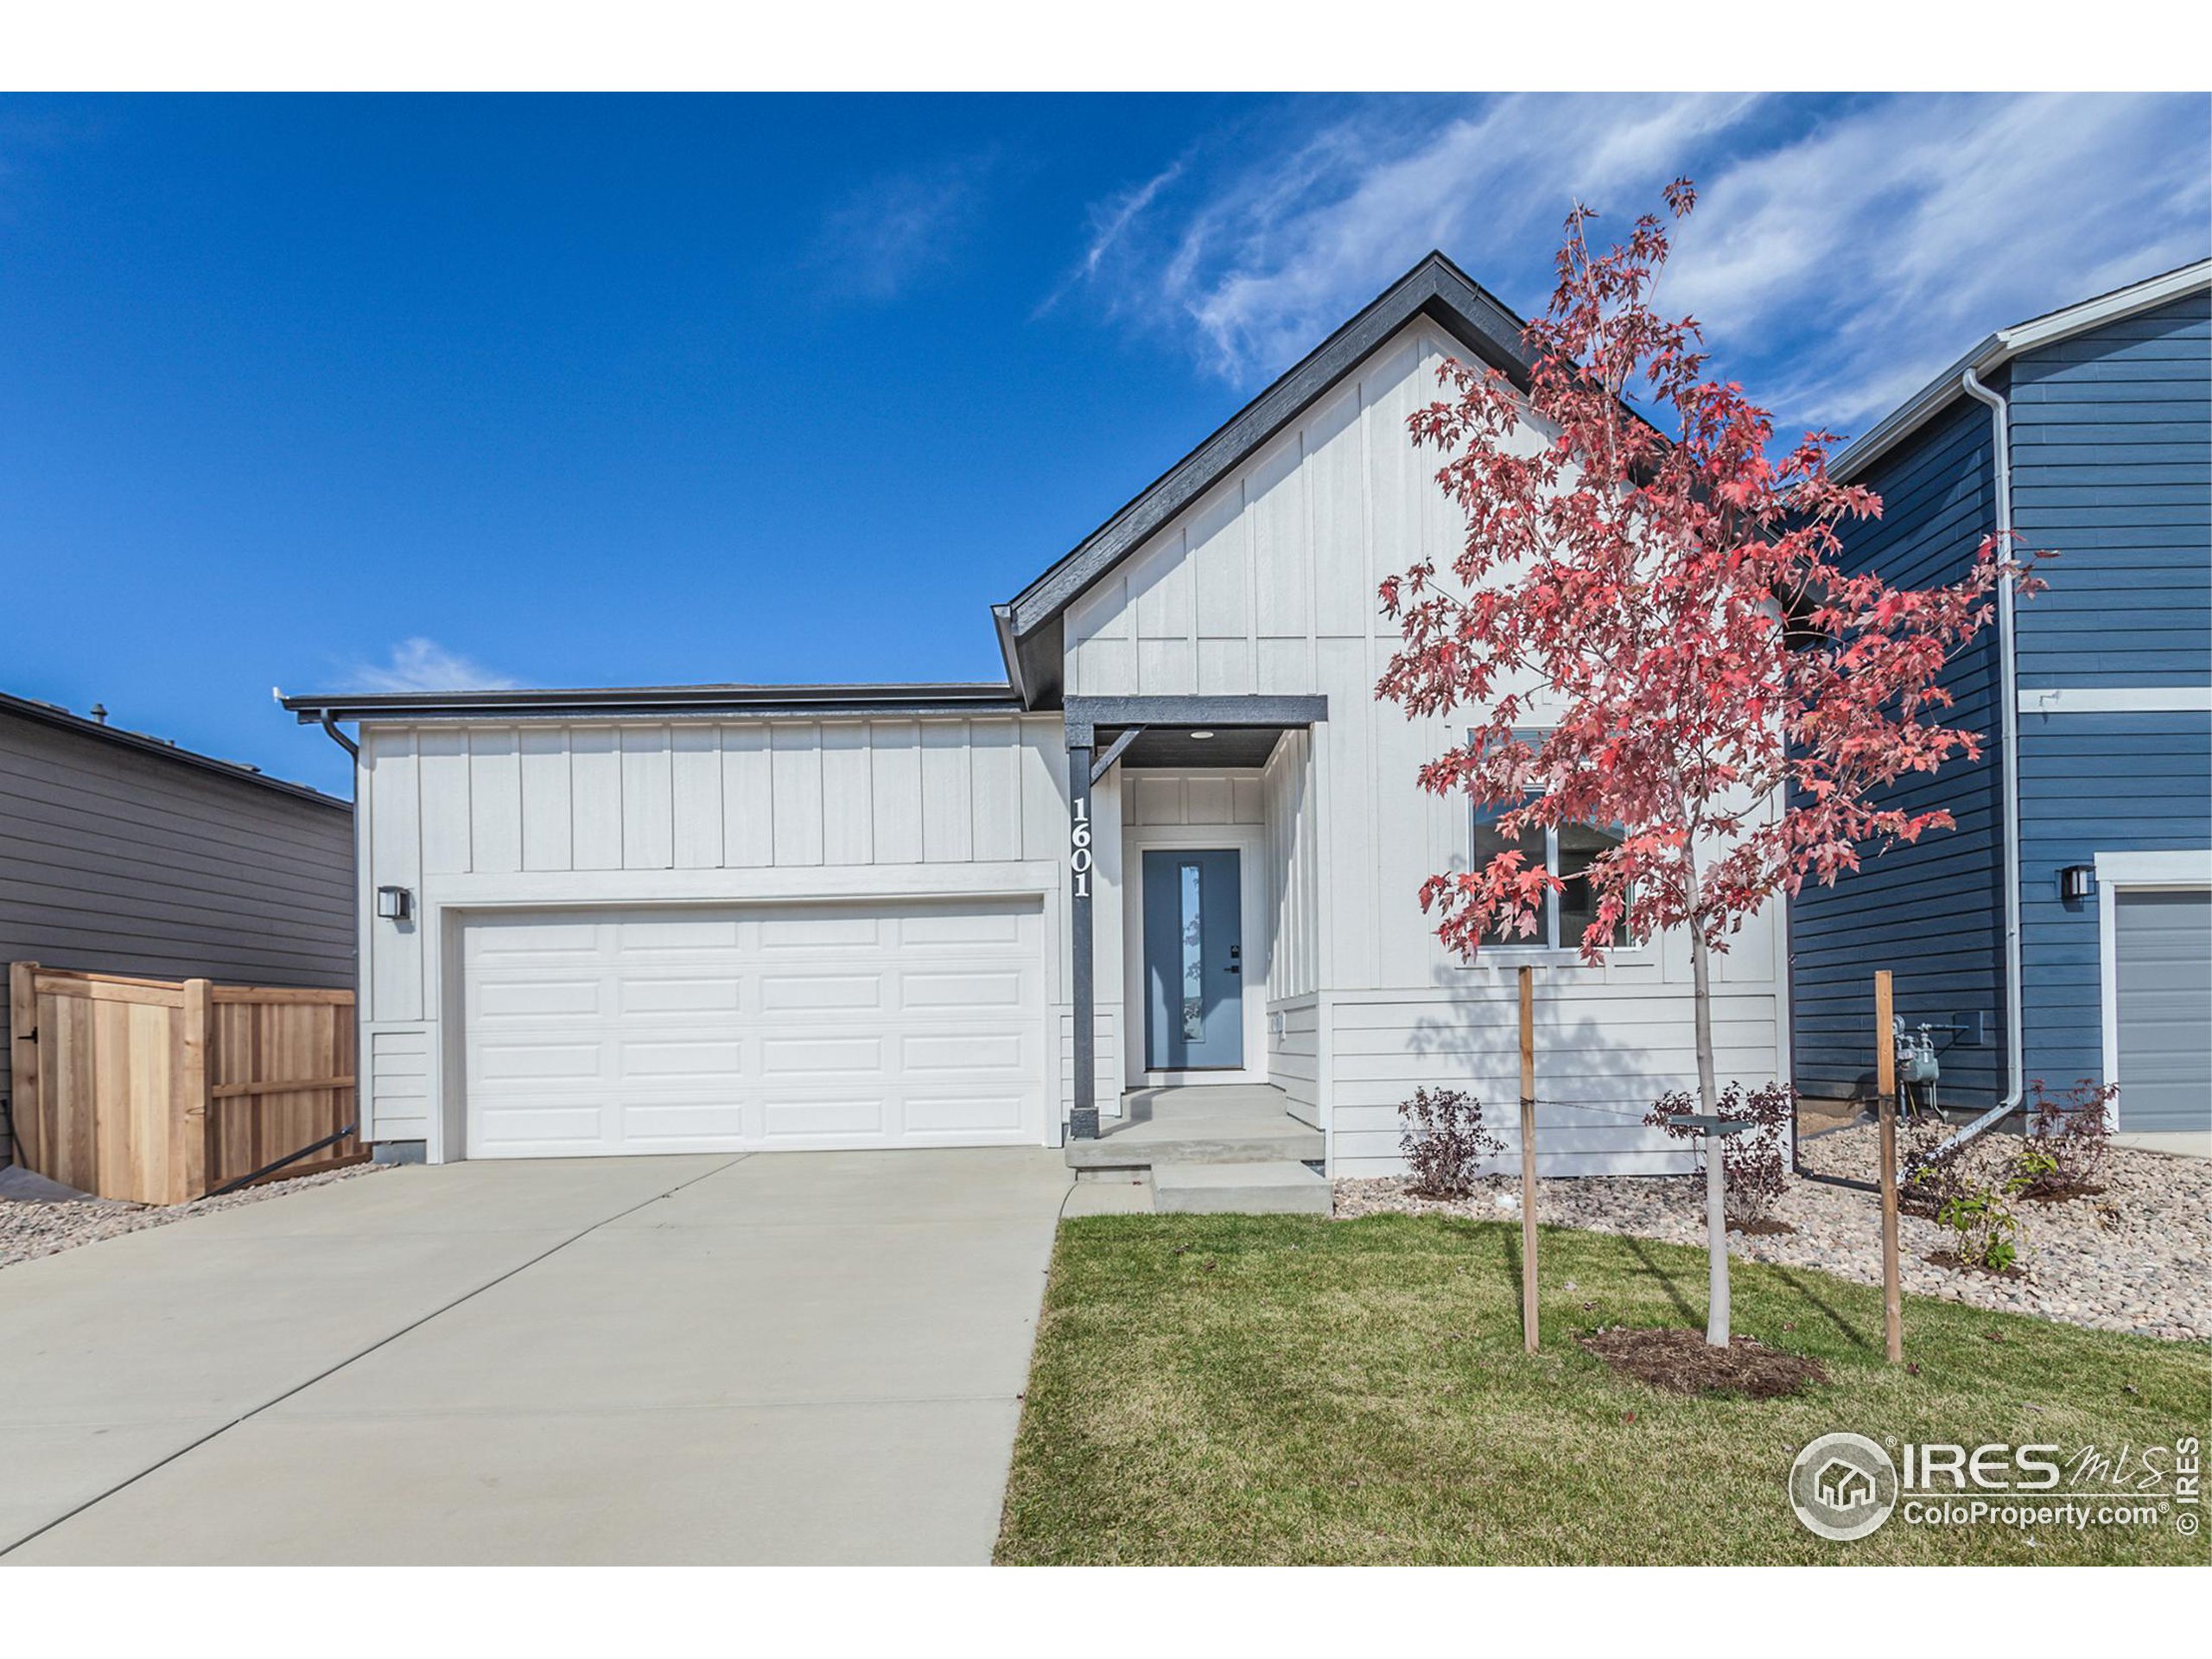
{"x": 708, "y": 1030}
{"x": 956, "y": 932}
{"x": 985, "y": 1053}
{"x": 826, "y": 934}
{"x": 687, "y": 937}
{"x": 507, "y": 1060}
{"x": 2164, "y": 990}
{"x": 716, "y": 1061}
{"x": 926, "y": 989}
{"x": 537, "y": 941}
{"x": 678, "y": 994}
{"x": 865, "y": 1116}
{"x": 963, "y": 1113}
{"x": 547, "y": 1127}
{"x": 784, "y": 992}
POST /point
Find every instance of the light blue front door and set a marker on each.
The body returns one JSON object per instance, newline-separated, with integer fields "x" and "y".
{"x": 1194, "y": 961}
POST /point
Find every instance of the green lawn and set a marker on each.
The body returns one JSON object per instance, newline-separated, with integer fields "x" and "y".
{"x": 1283, "y": 1390}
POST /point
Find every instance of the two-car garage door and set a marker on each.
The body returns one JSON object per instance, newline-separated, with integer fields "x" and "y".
{"x": 732, "y": 1028}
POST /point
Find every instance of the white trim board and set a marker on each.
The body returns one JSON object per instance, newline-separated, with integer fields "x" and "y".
{"x": 2182, "y": 871}
{"x": 2117, "y": 700}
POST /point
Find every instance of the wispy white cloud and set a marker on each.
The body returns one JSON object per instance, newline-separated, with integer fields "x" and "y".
{"x": 896, "y": 229}
{"x": 1273, "y": 253}
{"x": 420, "y": 664}
{"x": 1843, "y": 249}
{"x": 1867, "y": 253}
{"x": 1110, "y": 221}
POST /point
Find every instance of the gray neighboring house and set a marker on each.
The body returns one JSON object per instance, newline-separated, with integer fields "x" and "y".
{"x": 123, "y": 854}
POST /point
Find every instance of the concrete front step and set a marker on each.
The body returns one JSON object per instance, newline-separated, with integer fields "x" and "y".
{"x": 1274, "y": 1187}
{"x": 1284, "y": 1141}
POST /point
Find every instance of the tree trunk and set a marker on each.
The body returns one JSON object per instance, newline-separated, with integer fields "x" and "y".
{"x": 1709, "y": 1100}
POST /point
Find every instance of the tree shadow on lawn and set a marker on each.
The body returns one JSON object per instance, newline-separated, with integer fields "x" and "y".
{"x": 1637, "y": 1249}
{"x": 1794, "y": 1278}
{"x": 1506, "y": 1236}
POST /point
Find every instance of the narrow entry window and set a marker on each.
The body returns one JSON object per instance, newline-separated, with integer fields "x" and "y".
{"x": 1194, "y": 966}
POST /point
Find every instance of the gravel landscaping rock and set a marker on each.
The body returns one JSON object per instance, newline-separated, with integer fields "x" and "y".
{"x": 2135, "y": 1257}
{"x": 33, "y": 1226}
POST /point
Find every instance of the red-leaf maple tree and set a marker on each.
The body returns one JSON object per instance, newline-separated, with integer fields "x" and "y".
{"x": 1650, "y": 629}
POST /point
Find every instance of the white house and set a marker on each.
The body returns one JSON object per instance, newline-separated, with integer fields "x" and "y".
{"x": 1182, "y": 844}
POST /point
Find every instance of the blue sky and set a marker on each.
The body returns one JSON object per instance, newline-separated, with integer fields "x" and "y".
{"x": 398, "y": 391}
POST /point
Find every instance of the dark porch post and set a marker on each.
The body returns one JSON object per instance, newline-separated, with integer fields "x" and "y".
{"x": 1083, "y": 1117}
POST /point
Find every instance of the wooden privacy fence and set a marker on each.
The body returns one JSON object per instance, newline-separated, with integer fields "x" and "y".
{"x": 161, "y": 1092}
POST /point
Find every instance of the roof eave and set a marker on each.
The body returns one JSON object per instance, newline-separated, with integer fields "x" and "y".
{"x": 668, "y": 702}
{"x": 1435, "y": 288}
{"x": 2001, "y": 347}
{"x": 120, "y": 737}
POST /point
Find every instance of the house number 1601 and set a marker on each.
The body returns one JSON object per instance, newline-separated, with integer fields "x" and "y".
{"x": 1079, "y": 859}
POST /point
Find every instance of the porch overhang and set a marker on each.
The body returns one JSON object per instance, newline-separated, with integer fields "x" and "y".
{"x": 1123, "y": 723}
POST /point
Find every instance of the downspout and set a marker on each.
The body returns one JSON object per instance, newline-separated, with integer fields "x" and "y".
{"x": 338, "y": 737}
{"x": 2009, "y": 727}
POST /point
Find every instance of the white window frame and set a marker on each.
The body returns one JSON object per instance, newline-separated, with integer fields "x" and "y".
{"x": 2189, "y": 871}
{"x": 1546, "y": 948}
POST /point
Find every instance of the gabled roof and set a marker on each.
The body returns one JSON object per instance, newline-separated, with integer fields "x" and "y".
{"x": 2006, "y": 344}
{"x": 1436, "y": 289}
{"x": 98, "y": 731}
{"x": 1029, "y": 625}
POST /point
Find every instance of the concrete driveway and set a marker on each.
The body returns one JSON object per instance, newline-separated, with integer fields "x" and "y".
{"x": 791, "y": 1357}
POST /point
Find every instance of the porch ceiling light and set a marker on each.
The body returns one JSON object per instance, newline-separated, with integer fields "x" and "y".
{"x": 1201, "y": 736}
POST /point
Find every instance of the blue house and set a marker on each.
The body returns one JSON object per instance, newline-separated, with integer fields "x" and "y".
{"x": 2064, "y": 930}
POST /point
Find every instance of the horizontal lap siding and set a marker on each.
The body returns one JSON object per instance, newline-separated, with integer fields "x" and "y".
{"x": 112, "y": 861}
{"x": 2111, "y": 465}
{"x": 1932, "y": 912}
{"x": 1601, "y": 1061}
{"x": 2112, "y": 451}
{"x": 2093, "y": 784}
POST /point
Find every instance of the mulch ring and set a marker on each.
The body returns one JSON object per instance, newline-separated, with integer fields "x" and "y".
{"x": 1682, "y": 1362}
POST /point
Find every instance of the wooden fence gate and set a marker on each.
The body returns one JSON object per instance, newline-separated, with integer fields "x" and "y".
{"x": 161, "y": 1092}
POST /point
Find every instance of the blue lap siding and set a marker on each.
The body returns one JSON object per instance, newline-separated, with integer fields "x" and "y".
{"x": 2111, "y": 438}
{"x": 1932, "y": 912}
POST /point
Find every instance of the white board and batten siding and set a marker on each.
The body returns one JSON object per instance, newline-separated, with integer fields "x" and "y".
{"x": 733, "y": 822}
{"x": 1266, "y": 585}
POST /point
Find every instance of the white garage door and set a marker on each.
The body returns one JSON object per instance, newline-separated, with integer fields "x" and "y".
{"x": 680, "y": 1030}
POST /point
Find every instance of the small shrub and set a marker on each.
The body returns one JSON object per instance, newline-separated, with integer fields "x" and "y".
{"x": 2068, "y": 1136}
{"x": 1931, "y": 1179}
{"x": 1754, "y": 1165}
{"x": 1445, "y": 1141}
{"x": 1986, "y": 1231}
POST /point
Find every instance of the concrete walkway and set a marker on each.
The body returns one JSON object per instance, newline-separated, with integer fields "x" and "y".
{"x": 792, "y": 1357}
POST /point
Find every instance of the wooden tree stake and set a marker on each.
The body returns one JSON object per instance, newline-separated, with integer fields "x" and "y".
{"x": 1886, "y": 1105}
{"x": 1529, "y": 1159}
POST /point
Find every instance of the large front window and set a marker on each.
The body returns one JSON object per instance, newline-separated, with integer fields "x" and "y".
{"x": 1566, "y": 851}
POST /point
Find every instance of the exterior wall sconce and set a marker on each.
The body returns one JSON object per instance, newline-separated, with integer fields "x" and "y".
{"x": 2077, "y": 882}
{"x": 395, "y": 904}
